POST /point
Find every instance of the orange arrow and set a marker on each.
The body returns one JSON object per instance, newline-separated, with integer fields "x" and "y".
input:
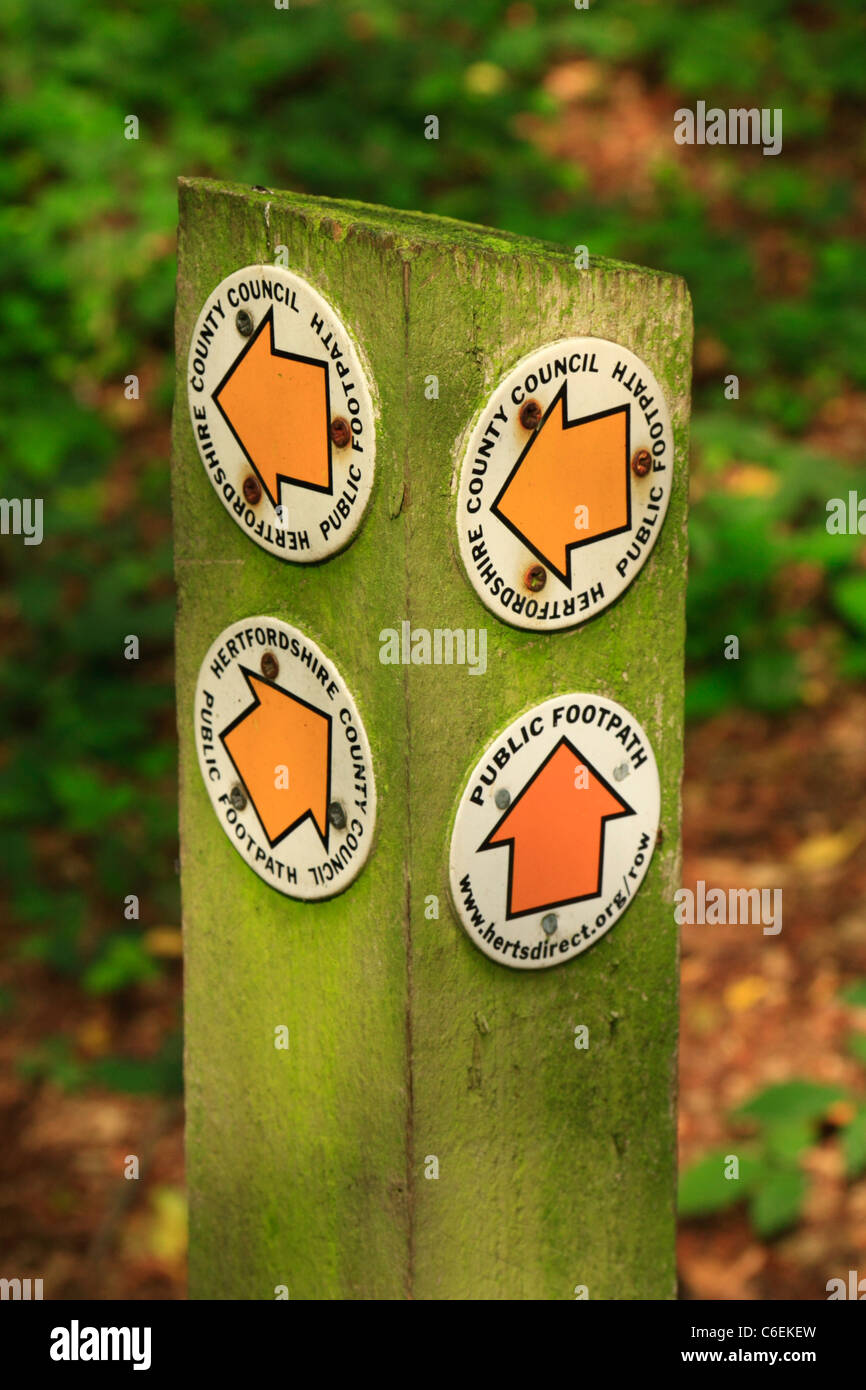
{"x": 555, "y": 829}
{"x": 281, "y": 730}
{"x": 276, "y": 405}
{"x": 568, "y": 465}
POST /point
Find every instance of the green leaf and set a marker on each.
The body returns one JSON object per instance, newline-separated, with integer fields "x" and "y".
{"x": 160, "y": 1075}
{"x": 124, "y": 961}
{"x": 788, "y": 1139}
{"x": 789, "y": 1101}
{"x": 849, "y": 595}
{"x": 857, "y": 1046}
{"x": 133, "y": 1075}
{"x": 854, "y": 1144}
{"x": 704, "y": 1189}
{"x": 772, "y": 680}
{"x": 710, "y": 692}
{"x": 777, "y": 1201}
{"x": 855, "y": 994}
{"x": 53, "y": 1061}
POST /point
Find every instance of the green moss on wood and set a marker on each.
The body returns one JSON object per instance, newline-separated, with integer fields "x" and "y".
{"x": 306, "y": 1168}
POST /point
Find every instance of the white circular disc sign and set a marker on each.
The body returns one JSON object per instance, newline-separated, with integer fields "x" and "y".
{"x": 282, "y": 413}
{"x": 555, "y": 513}
{"x": 554, "y": 831}
{"x": 285, "y": 758}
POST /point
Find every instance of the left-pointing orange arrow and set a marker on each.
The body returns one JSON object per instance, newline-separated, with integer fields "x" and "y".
{"x": 276, "y": 404}
{"x": 281, "y": 750}
{"x": 570, "y": 485}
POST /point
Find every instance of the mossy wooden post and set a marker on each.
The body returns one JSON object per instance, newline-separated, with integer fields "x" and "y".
{"x": 306, "y": 1167}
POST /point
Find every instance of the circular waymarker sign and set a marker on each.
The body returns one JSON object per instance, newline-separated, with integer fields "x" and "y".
{"x": 285, "y": 758}
{"x": 554, "y": 831}
{"x": 565, "y": 484}
{"x": 281, "y": 413}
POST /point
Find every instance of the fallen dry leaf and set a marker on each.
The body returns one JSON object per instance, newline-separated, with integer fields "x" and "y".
{"x": 743, "y": 994}
{"x": 827, "y": 850}
{"x": 164, "y": 941}
{"x": 750, "y": 480}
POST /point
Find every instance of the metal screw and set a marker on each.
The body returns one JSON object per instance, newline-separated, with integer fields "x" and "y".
{"x": 550, "y": 923}
{"x": 237, "y": 797}
{"x": 535, "y": 578}
{"x": 251, "y": 489}
{"x": 620, "y": 771}
{"x": 530, "y": 415}
{"x": 270, "y": 666}
{"x": 502, "y": 798}
{"x": 336, "y": 815}
{"x": 641, "y": 462}
{"x": 244, "y": 323}
{"x": 340, "y": 432}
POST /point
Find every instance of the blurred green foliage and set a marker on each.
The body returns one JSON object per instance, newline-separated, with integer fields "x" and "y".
{"x": 788, "y": 1119}
{"x": 331, "y": 98}
{"x": 55, "y": 1061}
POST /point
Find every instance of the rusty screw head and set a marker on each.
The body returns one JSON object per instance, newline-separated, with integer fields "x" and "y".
{"x": 244, "y": 323}
{"x": 270, "y": 666}
{"x": 641, "y": 462}
{"x": 535, "y": 578}
{"x": 252, "y": 490}
{"x": 336, "y": 815}
{"x": 237, "y": 797}
{"x": 340, "y": 432}
{"x": 530, "y": 415}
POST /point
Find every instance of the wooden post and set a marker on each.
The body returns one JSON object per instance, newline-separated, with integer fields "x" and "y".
{"x": 306, "y": 1166}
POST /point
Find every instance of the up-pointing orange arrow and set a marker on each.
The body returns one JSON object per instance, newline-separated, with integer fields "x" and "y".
{"x": 281, "y": 730}
{"x": 276, "y": 405}
{"x": 555, "y": 830}
{"x": 566, "y": 466}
